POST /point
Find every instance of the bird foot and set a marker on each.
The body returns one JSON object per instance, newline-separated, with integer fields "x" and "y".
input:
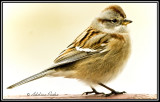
{"x": 90, "y": 92}
{"x": 114, "y": 93}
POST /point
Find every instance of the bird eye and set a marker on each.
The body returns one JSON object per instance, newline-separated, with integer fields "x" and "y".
{"x": 114, "y": 21}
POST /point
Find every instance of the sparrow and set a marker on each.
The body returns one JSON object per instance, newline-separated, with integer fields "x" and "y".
{"x": 97, "y": 55}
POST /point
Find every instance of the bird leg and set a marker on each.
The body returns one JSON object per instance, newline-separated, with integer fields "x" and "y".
{"x": 112, "y": 90}
{"x": 93, "y": 91}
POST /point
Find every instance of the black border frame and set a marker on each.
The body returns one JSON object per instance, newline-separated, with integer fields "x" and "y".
{"x": 79, "y": 2}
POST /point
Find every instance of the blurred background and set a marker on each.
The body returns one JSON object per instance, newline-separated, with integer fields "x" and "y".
{"x": 34, "y": 34}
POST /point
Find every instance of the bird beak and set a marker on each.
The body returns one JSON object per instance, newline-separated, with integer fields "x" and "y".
{"x": 125, "y": 22}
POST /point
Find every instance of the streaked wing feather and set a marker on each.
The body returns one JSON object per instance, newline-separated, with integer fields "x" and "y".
{"x": 79, "y": 50}
{"x": 70, "y": 55}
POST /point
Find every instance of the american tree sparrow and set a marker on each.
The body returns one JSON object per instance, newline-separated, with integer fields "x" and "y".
{"x": 97, "y": 55}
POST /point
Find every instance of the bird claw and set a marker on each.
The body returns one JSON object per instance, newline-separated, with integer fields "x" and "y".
{"x": 85, "y": 93}
{"x": 114, "y": 93}
{"x": 96, "y": 93}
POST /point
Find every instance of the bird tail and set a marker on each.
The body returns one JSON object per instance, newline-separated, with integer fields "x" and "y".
{"x": 31, "y": 78}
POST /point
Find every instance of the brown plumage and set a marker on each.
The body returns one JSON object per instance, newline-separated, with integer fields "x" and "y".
{"x": 117, "y": 9}
{"x": 97, "y": 55}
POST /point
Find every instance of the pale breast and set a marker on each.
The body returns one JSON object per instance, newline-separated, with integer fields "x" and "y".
{"x": 103, "y": 67}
